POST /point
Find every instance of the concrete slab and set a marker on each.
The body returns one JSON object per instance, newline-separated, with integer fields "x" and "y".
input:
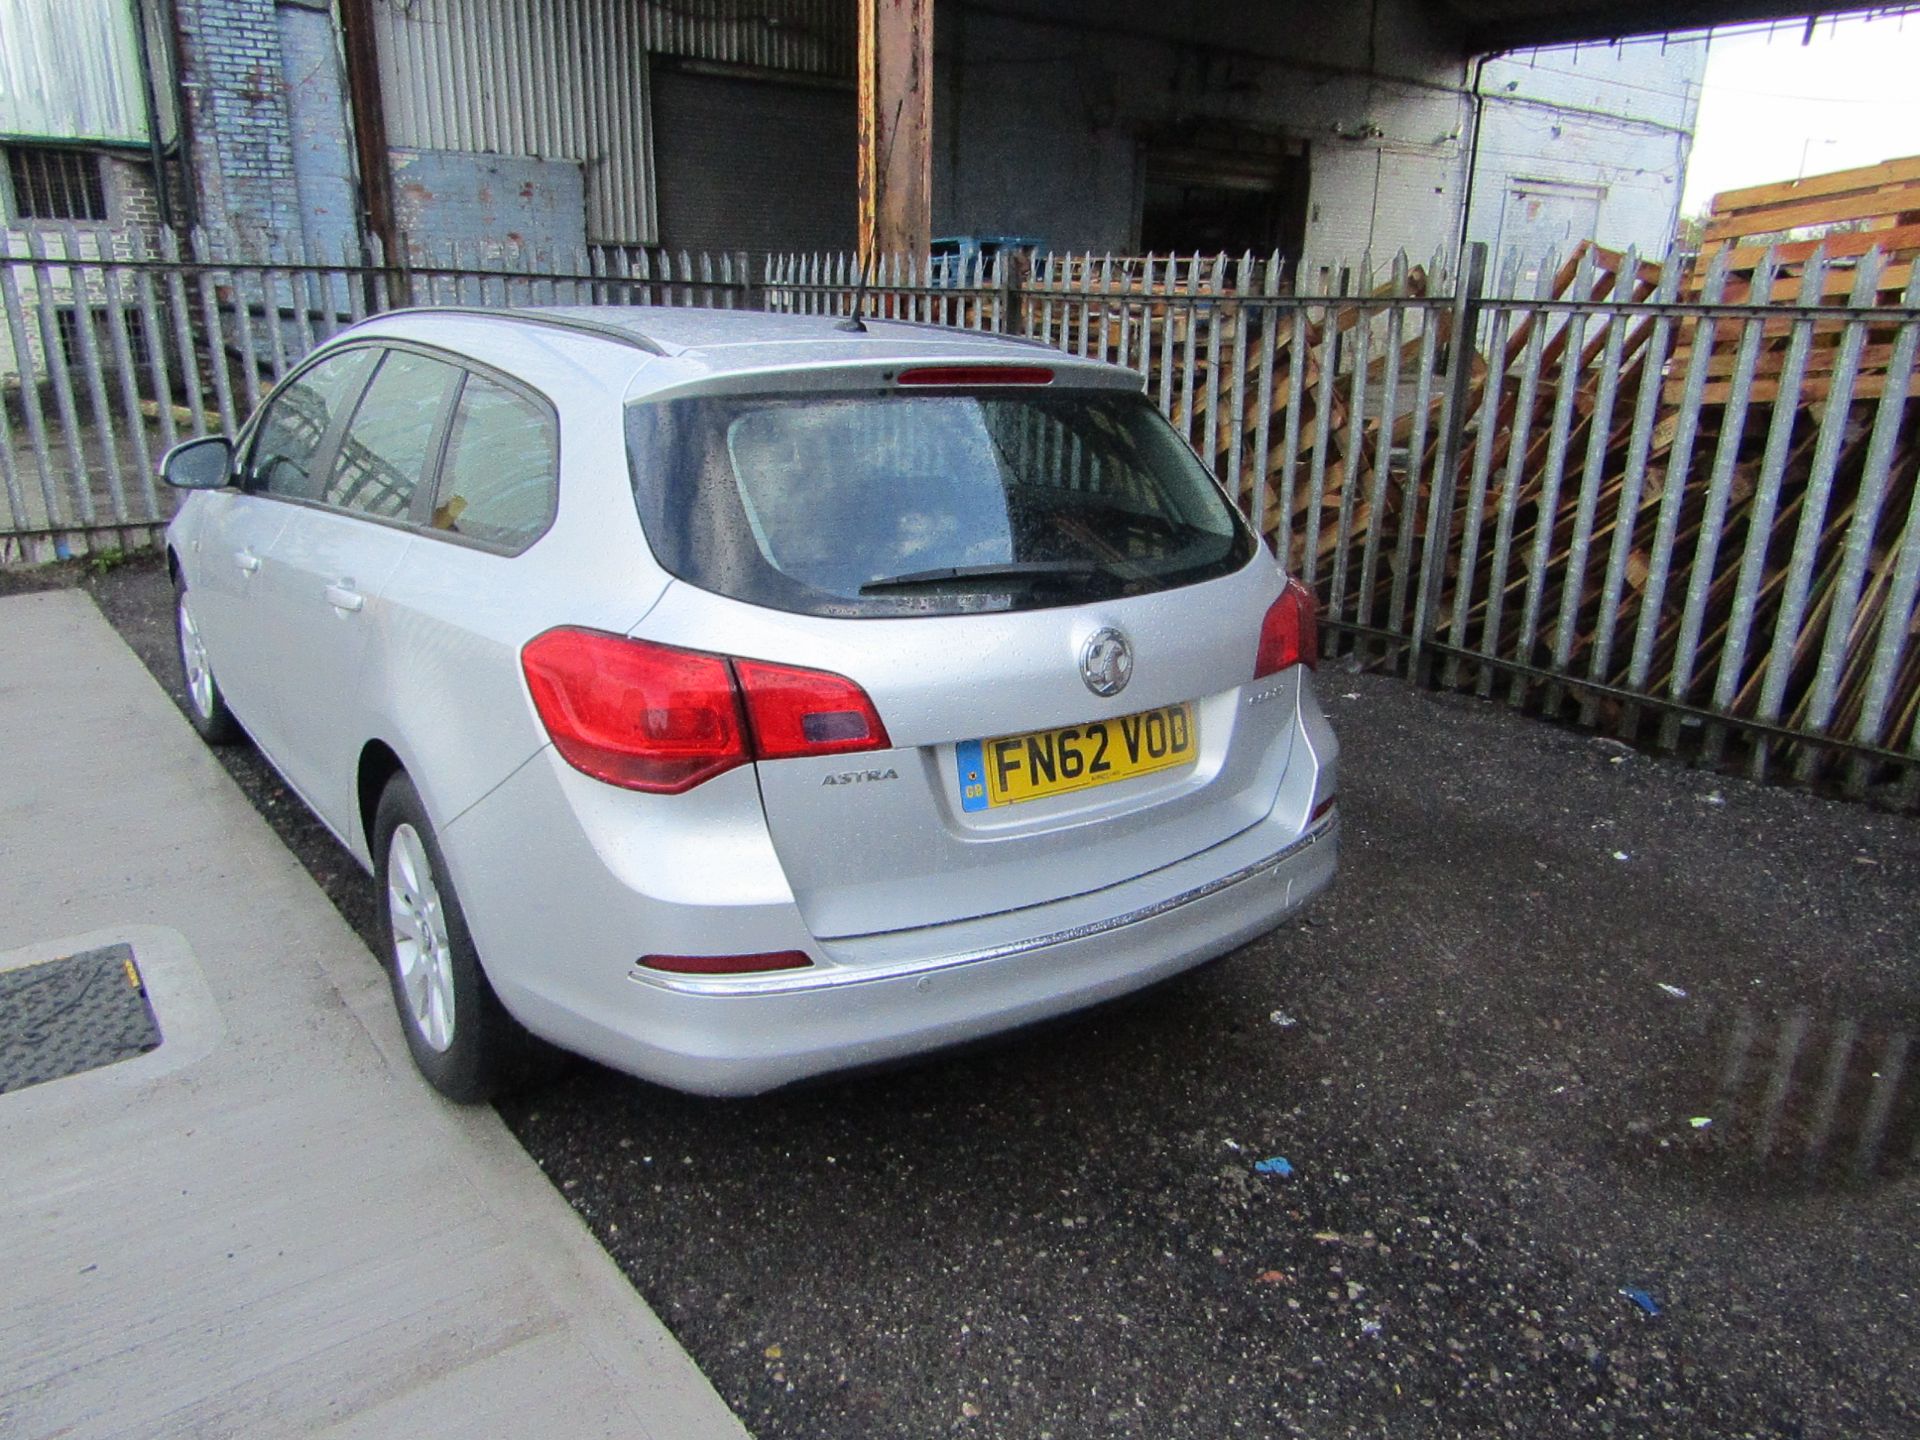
{"x": 267, "y": 1226}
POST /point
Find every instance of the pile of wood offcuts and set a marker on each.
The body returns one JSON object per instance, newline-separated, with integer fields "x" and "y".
{"x": 1655, "y": 490}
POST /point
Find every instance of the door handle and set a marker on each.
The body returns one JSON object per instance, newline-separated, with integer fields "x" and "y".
{"x": 342, "y": 598}
{"x": 247, "y": 561}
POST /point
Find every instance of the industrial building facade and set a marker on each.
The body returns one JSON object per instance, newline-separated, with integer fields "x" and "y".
{"x": 523, "y": 127}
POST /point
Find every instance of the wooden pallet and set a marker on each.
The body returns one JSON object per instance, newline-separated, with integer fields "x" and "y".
{"x": 1765, "y": 238}
{"x": 1495, "y": 607}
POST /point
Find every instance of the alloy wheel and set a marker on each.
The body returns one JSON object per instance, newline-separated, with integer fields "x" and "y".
{"x": 193, "y": 660}
{"x": 420, "y": 946}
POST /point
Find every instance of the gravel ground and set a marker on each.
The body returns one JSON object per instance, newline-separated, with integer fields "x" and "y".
{"x": 1471, "y": 1054}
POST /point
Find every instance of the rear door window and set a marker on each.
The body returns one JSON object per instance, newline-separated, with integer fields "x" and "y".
{"x": 815, "y": 481}
{"x": 393, "y": 438}
{"x": 294, "y": 426}
{"x": 887, "y": 503}
{"x": 498, "y": 480}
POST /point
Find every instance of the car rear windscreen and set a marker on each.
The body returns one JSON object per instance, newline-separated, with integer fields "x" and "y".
{"x": 874, "y": 504}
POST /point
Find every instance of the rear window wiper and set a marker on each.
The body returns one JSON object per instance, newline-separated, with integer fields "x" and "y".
{"x": 1010, "y": 570}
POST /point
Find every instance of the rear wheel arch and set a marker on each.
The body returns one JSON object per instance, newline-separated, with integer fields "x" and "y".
{"x": 378, "y": 765}
{"x": 485, "y": 1049}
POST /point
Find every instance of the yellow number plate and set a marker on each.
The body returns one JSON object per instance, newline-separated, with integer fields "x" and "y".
{"x": 1013, "y": 768}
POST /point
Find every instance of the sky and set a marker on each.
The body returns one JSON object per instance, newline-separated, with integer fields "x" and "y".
{"x": 1851, "y": 96}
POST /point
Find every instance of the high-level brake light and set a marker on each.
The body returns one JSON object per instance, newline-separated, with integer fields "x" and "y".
{"x": 976, "y": 375}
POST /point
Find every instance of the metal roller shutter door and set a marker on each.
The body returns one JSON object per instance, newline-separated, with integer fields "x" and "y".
{"x": 752, "y": 164}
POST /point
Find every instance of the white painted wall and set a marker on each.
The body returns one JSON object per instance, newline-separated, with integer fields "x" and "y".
{"x": 1597, "y": 134}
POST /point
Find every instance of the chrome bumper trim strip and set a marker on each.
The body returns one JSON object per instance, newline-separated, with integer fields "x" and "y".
{"x": 790, "y": 982}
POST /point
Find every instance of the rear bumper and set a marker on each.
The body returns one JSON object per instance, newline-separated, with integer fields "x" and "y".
{"x": 745, "y": 1035}
{"x": 742, "y": 1043}
{"x": 931, "y": 955}
{"x": 593, "y": 892}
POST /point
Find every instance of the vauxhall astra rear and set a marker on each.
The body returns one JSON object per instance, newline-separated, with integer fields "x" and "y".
{"x": 865, "y": 693}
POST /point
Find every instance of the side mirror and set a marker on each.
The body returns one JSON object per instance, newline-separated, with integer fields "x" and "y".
{"x": 203, "y": 464}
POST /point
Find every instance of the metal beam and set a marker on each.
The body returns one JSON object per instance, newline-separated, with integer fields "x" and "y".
{"x": 1493, "y": 26}
{"x": 895, "y": 78}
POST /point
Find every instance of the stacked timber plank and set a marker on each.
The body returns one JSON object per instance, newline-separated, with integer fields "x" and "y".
{"x": 1335, "y": 533}
{"x": 1823, "y": 458}
{"x": 1808, "y": 242}
{"x": 1740, "y": 546}
{"x": 1849, "y": 212}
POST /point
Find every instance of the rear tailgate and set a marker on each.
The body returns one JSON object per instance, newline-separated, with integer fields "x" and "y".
{"x": 886, "y": 840}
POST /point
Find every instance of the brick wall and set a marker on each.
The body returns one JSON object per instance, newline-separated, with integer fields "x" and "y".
{"x": 238, "y": 117}
{"x": 133, "y": 209}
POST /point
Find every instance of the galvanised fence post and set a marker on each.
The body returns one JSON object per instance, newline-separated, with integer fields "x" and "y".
{"x": 1434, "y": 549}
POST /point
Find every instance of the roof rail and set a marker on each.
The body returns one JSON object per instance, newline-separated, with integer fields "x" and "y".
{"x": 599, "y": 329}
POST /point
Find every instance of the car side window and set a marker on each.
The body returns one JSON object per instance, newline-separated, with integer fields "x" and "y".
{"x": 388, "y": 446}
{"x": 498, "y": 482}
{"x": 287, "y": 443}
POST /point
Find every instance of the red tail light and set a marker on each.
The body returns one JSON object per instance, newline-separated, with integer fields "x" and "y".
{"x": 661, "y": 719}
{"x": 807, "y": 712}
{"x": 1290, "y": 635}
{"x": 645, "y": 716}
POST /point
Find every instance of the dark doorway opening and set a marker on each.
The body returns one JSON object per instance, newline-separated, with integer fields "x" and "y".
{"x": 1225, "y": 193}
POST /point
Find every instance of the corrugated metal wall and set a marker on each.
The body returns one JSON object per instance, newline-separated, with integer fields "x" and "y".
{"x": 560, "y": 80}
{"x": 70, "y": 70}
{"x": 809, "y": 37}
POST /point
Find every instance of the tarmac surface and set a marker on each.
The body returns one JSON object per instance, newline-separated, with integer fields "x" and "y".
{"x": 1483, "y": 1057}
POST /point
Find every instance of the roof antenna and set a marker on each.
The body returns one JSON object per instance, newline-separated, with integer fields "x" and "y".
{"x": 853, "y": 324}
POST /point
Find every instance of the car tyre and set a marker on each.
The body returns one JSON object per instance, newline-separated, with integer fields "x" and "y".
{"x": 206, "y": 705}
{"x": 462, "y": 1038}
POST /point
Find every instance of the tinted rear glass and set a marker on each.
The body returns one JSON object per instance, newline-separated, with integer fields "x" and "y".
{"x": 891, "y": 504}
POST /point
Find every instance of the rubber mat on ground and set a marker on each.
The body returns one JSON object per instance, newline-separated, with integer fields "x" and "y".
{"x": 61, "y": 1017}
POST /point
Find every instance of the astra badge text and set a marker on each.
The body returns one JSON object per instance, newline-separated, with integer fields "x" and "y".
{"x": 860, "y": 777}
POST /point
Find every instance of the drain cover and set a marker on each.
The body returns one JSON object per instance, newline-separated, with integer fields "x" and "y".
{"x": 78, "y": 1013}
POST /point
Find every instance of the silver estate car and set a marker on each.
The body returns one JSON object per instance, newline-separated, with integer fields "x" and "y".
{"x": 734, "y": 697}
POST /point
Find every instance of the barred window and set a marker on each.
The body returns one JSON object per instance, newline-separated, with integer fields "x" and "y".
{"x": 56, "y": 184}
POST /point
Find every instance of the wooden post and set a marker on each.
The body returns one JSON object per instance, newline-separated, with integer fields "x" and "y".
{"x": 896, "y": 126}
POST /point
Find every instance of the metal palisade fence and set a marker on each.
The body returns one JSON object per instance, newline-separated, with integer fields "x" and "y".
{"x": 110, "y": 352}
{"x": 1675, "y": 502}
{"x": 1678, "y": 503}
